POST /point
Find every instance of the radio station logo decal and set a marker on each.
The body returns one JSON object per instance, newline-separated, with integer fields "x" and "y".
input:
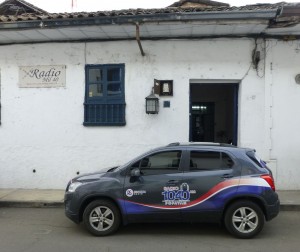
{"x": 174, "y": 195}
{"x": 130, "y": 192}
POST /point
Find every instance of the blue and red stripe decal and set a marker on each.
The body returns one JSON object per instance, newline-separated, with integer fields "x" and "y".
{"x": 213, "y": 198}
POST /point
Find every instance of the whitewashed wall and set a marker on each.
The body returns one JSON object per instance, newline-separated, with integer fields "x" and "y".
{"x": 283, "y": 63}
{"x": 42, "y": 127}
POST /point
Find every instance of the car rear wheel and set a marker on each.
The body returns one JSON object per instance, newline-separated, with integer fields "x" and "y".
{"x": 244, "y": 219}
{"x": 101, "y": 217}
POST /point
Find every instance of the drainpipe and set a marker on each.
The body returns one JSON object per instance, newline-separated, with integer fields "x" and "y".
{"x": 138, "y": 39}
{"x": 0, "y": 97}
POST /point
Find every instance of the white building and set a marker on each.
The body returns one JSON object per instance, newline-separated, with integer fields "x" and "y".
{"x": 222, "y": 74}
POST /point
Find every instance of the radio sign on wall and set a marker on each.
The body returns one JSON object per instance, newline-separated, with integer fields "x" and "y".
{"x": 163, "y": 87}
{"x": 42, "y": 76}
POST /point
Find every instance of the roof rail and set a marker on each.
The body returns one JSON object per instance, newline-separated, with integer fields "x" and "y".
{"x": 174, "y": 144}
{"x": 227, "y": 145}
{"x": 204, "y": 143}
{"x": 212, "y": 144}
{"x": 201, "y": 144}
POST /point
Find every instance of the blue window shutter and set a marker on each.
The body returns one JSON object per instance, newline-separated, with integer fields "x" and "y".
{"x": 105, "y": 95}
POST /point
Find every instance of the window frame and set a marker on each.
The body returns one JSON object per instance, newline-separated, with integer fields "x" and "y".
{"x": 220, "y": 152}
{"x": 113, "y": 106}
{"x": 168, "y": 169}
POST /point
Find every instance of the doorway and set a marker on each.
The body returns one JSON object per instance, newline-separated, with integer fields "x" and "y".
{"x": 213, "y": 112}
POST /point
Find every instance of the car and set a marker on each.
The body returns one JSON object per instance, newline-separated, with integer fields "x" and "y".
{"x": 180, "y": 182}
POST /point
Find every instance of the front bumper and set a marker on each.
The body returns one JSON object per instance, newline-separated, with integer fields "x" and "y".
{"x": 70, "y": 211}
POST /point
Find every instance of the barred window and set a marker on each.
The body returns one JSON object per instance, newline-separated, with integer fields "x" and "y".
{"x": 105, "y": 95}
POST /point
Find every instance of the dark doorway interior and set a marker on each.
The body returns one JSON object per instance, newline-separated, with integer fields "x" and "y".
{"x": 213, "y": 116}
{"x": 203, "y": 120}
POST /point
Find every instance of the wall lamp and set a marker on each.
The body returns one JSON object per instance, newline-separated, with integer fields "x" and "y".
{"x": 152, "y": 103}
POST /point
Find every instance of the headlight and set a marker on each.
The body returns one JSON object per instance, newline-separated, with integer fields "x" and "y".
{"x": 73, "y": 186}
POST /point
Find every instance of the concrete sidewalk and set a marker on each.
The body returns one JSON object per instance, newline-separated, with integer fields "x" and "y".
{"x": 290, "y": 200}
{"x": 31, "y": 198}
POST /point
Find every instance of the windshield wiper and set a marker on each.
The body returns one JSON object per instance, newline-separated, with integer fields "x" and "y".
{"x": 112, "y": 169}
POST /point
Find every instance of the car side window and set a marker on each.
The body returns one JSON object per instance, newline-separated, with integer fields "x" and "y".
{"x": 159, "y": 163}
{"x": 210, "y": 160}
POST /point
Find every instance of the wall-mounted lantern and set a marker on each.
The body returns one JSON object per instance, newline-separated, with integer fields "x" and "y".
{"x": 152, "y": 104}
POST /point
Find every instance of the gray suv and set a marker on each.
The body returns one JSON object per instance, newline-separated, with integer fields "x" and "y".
{"x": 193, "y": 182}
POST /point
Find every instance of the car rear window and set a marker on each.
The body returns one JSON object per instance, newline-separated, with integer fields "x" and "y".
{"x": 253, "y": 156}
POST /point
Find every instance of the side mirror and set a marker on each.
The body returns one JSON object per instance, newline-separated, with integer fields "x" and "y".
{"x": 135, "y": 172}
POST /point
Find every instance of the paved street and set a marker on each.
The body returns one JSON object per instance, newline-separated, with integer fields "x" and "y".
{"x": 36, "y": 230}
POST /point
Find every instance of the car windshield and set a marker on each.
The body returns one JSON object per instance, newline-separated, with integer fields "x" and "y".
{"x": 133, "y": 160}
{"x": 108, "y": 169}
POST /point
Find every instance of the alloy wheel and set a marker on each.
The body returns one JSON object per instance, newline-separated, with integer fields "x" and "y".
{"x": 245, "y": 220}
{"x": 101, "y": 218}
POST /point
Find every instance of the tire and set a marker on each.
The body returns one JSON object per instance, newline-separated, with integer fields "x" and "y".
{"x": 101, "y": 217}
{"x": 244, "y": 219}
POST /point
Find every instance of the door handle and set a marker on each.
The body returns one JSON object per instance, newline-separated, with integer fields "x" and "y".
{"x": 227, "y": 176}
{"x": 172, "y": 182}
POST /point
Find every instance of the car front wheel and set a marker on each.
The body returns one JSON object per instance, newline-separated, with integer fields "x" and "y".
{"x": 101, "y": 217}
{"x": 244, "y": 219}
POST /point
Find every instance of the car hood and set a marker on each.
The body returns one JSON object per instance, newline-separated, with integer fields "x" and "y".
{"x": 93, "y": 176}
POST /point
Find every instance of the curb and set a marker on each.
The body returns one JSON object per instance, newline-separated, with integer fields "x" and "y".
{"x": 28, "y": 204}
{"x": 289, "y": 207}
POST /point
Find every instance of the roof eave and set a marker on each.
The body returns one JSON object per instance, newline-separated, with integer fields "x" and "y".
{"x": 119, "y": 20}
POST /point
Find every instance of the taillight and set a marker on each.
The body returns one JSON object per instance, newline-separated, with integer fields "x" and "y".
{"x": 269, "y": 180}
